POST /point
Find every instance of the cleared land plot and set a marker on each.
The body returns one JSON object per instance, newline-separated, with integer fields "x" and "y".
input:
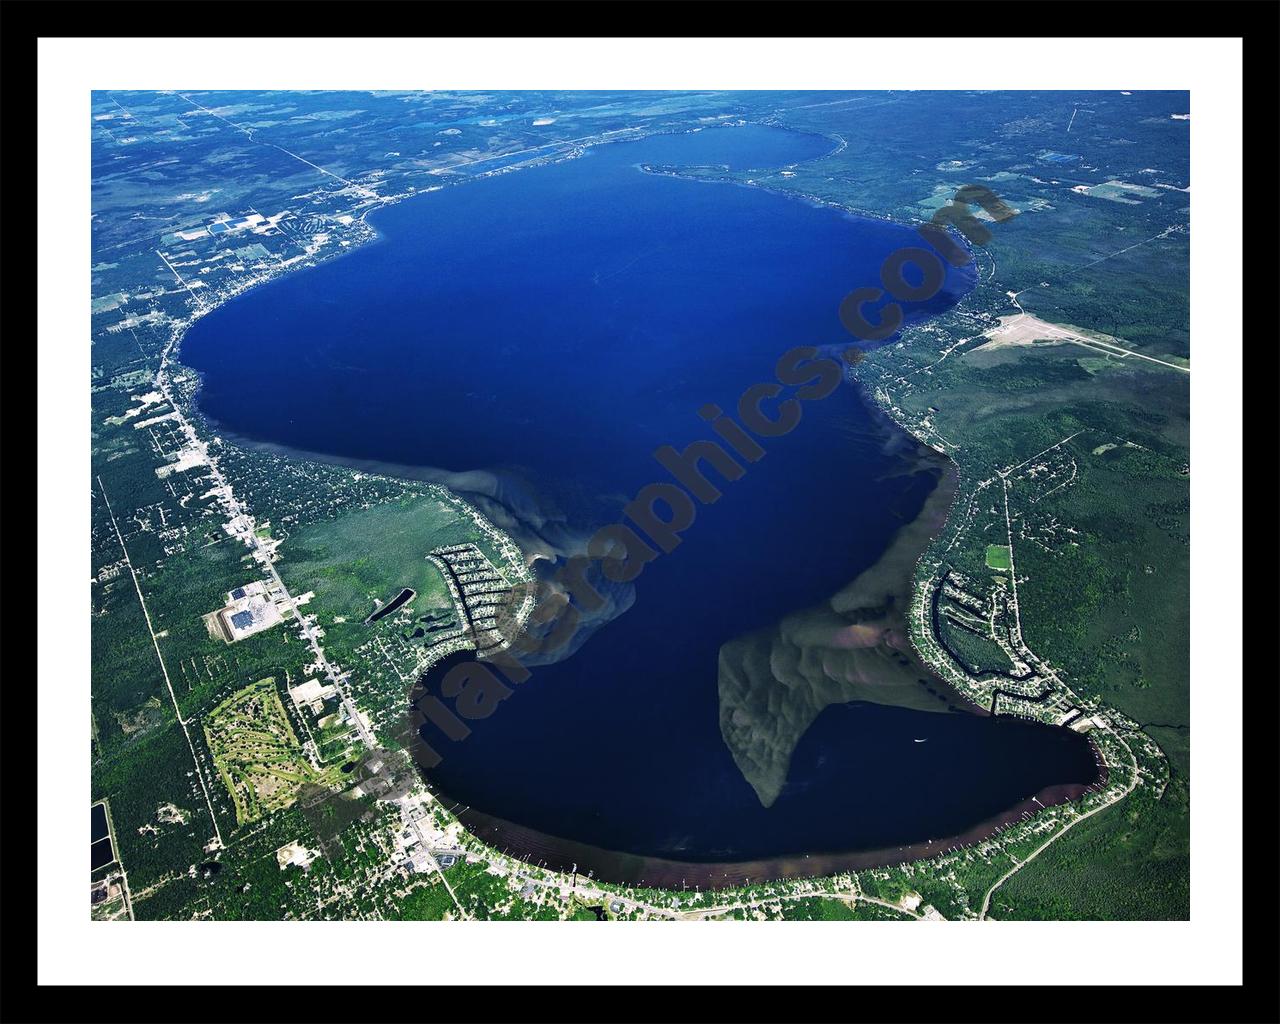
{"x": 998, "y": 557}
{"x": 1025, "y": 329}
{"x": 1121, "y": 192}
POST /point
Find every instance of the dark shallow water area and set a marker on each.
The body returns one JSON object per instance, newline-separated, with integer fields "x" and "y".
{"x": 534, "y": 337}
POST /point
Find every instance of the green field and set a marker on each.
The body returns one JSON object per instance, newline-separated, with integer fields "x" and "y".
{"x": 998, "y": 557}
{"x": 369, "y": 555}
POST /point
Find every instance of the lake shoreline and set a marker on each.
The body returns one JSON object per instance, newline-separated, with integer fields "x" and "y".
{"x": 620, "y": 868}
{"x": 885, "y": 671}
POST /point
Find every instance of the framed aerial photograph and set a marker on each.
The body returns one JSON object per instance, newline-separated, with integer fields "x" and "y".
{"x": 729, "y": 494}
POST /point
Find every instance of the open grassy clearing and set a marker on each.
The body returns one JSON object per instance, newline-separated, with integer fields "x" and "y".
{"x": 998, "y": 557}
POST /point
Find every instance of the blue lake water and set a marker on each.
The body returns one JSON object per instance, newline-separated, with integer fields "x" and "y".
{"x": 550, "y": 328}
